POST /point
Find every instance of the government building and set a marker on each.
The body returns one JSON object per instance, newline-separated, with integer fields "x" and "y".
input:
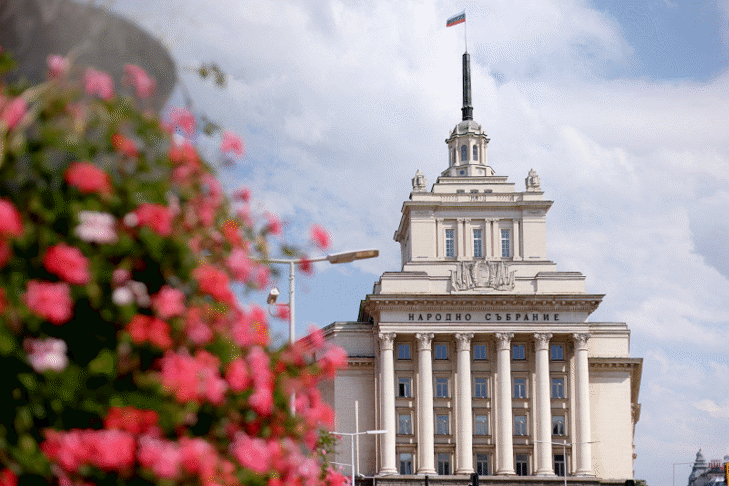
{"x": 478, "y": 356}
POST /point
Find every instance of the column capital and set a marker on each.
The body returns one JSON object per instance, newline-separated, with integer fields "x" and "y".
{"x": 464, "y": 340}
{"x": 541, "y": 339}
{"x": 581, "y": 340}
{"x": 503, "y": 339}
{"x": 386, "y": 340}
{"x": 424, "y": 339}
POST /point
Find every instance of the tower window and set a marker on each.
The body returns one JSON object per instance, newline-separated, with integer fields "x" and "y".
{"x": 505, "y": 243}
{"x": 477, "y": 243}
{"x": 475, "y": 152}
{"x": 450, "y": 243}
{"x": 464, "y": 153}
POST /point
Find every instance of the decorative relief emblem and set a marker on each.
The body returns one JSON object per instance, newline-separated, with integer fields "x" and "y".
{"x": 532, "y": 181}
{"x": 482, "y": 274}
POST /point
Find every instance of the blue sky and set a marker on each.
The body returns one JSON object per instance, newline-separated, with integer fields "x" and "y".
{"x": 620, "y": 106}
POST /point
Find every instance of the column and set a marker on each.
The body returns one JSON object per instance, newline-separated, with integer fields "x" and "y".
{"x": 582, "y": 404}
{"x": 544, "y": 464}
{"x": 492, "y": 236}
{"x": 460, "y": 239}
{"x": 504, "y": 444}
{"x": 517, "y": 243}
{"x": 426, "y": 448}
{"x": 464, "y": 446}
{"x": 387, "y": 404}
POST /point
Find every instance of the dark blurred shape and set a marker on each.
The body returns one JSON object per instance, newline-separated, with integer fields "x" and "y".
{"x": 34, "y": 29}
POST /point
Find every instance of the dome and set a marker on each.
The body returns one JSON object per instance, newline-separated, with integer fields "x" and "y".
{"x": 467, "y": 126}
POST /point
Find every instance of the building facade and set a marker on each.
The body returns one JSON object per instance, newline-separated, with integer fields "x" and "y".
{"x": 478, "y": 355}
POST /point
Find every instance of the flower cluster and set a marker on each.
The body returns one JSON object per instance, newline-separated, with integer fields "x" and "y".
{"x": 131, "y": 358}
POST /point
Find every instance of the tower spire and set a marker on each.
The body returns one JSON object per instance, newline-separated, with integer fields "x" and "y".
{"x": 467, "y": 109}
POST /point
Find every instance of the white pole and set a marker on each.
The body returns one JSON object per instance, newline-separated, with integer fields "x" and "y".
{"x": 292, "y": 328}
{"x": 352, "y": 436}
{"x": 356, "y": 428}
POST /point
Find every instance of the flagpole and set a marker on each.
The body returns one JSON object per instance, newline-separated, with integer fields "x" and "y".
{"x": 465, "y": 32}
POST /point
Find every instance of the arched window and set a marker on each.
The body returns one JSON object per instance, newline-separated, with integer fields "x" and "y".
{"x": 475, "y": 152}
{"x": 464, "y": 153}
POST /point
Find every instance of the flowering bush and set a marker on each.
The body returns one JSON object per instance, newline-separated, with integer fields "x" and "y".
{"x": 125, "y": 357}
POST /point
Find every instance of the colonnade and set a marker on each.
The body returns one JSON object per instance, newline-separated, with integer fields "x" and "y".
{"x": 503, "y": 406}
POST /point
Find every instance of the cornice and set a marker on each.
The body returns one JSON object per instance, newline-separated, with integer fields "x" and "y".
{"x": 360, "y": 362}
{"x": 633, "y": 365}
{"x": 374, "y": 304}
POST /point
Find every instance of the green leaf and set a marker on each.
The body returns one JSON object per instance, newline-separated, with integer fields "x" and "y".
{"x": 104, "y": 363}
{"x": 8, "y": 343}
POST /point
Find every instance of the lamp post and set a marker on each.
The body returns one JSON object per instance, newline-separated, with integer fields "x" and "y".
{"x": 352, "y": 435}
{"x": 674, "y": 470}
{"x": 344, "y": 257}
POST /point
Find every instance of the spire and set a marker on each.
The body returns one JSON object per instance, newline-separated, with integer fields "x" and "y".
{"x": 467, "y": 109}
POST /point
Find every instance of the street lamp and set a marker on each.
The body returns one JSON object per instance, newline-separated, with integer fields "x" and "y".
{"x": 345, "y": 257}
{"x": 352, "y": 435}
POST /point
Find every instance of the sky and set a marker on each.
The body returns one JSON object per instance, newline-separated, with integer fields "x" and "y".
{"x": 620, "y": 107}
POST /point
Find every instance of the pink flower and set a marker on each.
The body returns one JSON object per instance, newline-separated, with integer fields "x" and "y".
{"x": 259, "y": 365}
{"x": 334, "y": 358}
{"x": 239, "y": 264}
{"x": 161, "y": 456}
{"x": 193, "y": 379}
{"x": 156, "y": 217}
{"x": 306, "y": 266}
{"x": 320, "y": 237}
{"x": 8, "y": 478}
{"x": 261, "y": 276}
{"x": 237, "y": 375}
{"x": 51, "y": 301}
{"x": 253, "y": 454}
{"x": 196, "y": 329}
{"x": 231, "y": 143}
{"x": 184, "y": 120}
{"x": 13, "y": 113}
{"x": 47, "y": 354}
{"x": 10, "y": 222}
{"x": 274, "y": 224}
{"x": 57, "y": 66}
{"x": 213, "y": 282}
{"x": 243, "y": 194}
{"x": 250, "y": 328}
{"x": 124, "y": 145}
{"x": 88, "y": 178}
{"x": 141, "y": 81}
{"x": 282, "y": 312}
{"x": 168, "y": 302}
{"x": 316, "y": 336}
{"x": 96, "y": 227}
{"x": 149, "y": 329}
{"x": 262, "y": 400}
{"x": 67, "y": 263}
{"x": 98, "y": 83}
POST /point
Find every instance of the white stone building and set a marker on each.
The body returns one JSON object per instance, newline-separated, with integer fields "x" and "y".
{"x": 478, "y": 355}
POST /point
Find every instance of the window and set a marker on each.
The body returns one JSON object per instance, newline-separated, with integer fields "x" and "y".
{"x": 403, "y": 387}
{"x": 441, "y": 351}
{"x": 557, "y": 352}
{"x": 520, "y": 425}
{"x": 517, "y": 352}
{"x": 464, "y": 153}
{"x": 441, "y": 387}
{"x": 477, "y": 243}
{"x": 522, "y": 464}
{"x": 441, "y": 424}
{"x": 444, "y": 463}
{"x": 403, "y": 351}
{"x": 404, "y": 424}
{"x": 406, "y": 463}
{"x": 450, "y": 243}
{"x": 475, "y": 152}
{"x": 481, "y": 425}
{"x": 505, "y": 243}
{"x": 558, "y": 425}
{"x": 559, "y": 468}
{"x": 482, "y": 464}
{"x": 479, "y": 387}
{"x": 479, "y": 351}
{"x": 557, "y": 387}
{"x": 520, "y": 388}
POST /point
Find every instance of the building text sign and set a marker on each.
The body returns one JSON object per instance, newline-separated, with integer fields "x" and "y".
{"x": 484, "y": 316}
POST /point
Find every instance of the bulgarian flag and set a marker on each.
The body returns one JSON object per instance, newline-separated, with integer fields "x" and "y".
{"x": 456, "y": 19}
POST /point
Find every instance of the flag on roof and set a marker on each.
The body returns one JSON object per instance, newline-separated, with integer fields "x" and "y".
{"x": 456, "y": 19}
